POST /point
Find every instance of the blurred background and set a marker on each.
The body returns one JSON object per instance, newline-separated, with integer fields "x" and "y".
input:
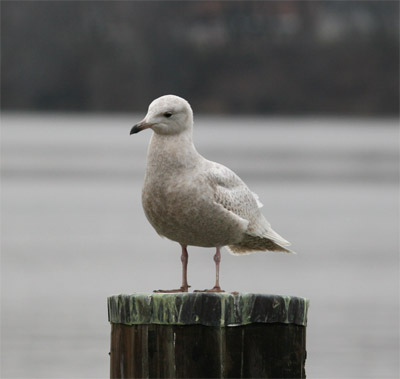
{"x": 265, "y": 57}
{"x": 300, "y": 98}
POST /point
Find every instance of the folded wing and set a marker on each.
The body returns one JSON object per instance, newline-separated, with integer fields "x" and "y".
{"x": 234, "y": 195}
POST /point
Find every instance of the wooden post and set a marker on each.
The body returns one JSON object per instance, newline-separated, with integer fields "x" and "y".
{"x": 207, "y": 335}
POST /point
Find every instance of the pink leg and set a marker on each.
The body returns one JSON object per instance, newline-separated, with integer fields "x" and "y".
{"x": 217, "y": 260}
{"x": 184, "y": 259}
{"x": 185, "y": 286}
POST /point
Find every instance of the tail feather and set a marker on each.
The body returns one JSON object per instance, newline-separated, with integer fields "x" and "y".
{"x": 251, "y": 244}
{"x": 274, "y": 236}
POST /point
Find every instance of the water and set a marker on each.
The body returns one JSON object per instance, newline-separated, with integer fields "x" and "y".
{"x": 73, "y": 233}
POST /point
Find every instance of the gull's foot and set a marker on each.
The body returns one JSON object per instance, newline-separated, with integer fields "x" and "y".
{"x": 215, "y": 289}
{"x": 182, "y": 289}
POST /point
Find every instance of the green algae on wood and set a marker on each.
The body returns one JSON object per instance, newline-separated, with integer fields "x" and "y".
{"x": 207, "y": 335}
{"x": 209, "y": 309}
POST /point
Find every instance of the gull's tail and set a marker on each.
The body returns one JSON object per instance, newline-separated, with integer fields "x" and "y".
{"x": 251, "y": 243}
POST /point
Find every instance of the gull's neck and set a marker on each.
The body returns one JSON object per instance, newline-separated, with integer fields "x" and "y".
{"x": 172, "y": 152}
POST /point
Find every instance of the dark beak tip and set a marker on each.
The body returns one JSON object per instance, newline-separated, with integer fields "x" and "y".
{"x": 135, "y": 129}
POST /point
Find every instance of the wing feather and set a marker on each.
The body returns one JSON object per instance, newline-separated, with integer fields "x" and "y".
{"x": 233, "y": 194}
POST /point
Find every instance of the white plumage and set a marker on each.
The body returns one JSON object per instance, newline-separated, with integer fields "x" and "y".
{"x": 192, "y": 200}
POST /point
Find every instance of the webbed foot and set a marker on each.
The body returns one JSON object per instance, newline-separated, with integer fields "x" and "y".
{"x": 214, "y": 289}
{"x": 182, "y": 289}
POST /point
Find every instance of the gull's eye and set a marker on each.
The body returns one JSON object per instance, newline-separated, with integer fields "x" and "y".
{"x": 167, "y": 114}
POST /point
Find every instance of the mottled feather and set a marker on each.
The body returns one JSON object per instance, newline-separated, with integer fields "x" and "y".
{"x": 192, "y": 200}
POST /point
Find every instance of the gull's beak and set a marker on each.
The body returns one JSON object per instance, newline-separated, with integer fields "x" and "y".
{"x": 140, "y": 126}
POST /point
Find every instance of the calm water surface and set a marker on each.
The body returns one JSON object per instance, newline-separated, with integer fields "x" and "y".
{"x": 73, "y": 233}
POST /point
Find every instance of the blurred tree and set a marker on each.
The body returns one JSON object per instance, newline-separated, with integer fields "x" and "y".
{"x": 286, "y": 57}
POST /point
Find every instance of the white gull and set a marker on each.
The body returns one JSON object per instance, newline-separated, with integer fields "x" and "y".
{"x": 194, "y": 201}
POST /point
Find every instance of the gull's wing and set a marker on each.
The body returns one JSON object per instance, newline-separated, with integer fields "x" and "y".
{"x": 233, "y": 194}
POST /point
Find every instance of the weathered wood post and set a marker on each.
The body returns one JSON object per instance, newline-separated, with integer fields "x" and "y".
{"x": 207, "y": 335}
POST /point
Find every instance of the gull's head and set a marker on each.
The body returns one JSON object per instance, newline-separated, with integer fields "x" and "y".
{"x": 167, "y": 115}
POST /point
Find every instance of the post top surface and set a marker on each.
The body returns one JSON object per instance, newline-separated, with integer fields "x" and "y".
{"x": 211, "y": 309}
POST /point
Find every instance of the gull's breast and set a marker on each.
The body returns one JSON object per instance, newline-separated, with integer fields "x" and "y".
{"x": 182, "y": 208}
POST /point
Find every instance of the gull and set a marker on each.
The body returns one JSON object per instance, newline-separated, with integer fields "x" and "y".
{"x": 194, "y": 201}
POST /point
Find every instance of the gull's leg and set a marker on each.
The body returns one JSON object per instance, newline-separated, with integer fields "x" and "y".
{"x": 185, "y": 286}
{"x": 217, "y": 260}
{"x": 184, "y": 258}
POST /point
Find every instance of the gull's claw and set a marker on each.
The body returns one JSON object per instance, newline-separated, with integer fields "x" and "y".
{"x": 182, "y": 289}
{"x": 214, "y": 289}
